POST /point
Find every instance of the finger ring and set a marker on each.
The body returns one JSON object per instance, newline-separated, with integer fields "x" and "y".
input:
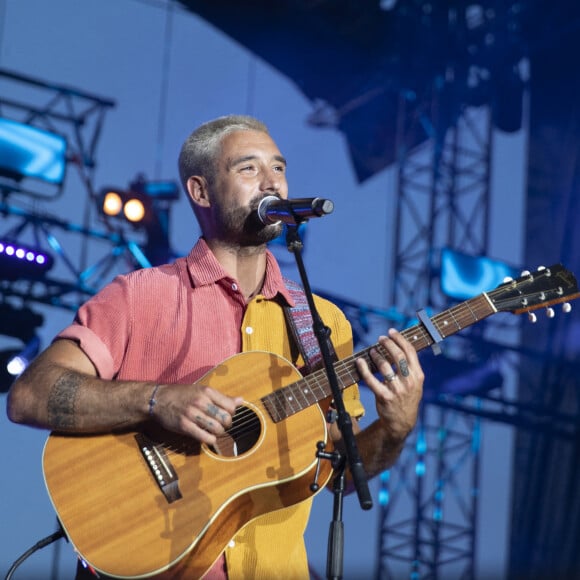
{"x": 390, "y": 377}
{"x": 404, "y": 367}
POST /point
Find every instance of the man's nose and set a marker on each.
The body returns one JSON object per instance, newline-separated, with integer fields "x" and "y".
{"x": 272, "y": 180}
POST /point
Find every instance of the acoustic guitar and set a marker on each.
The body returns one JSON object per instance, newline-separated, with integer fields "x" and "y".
{"x": 149, "y": 502}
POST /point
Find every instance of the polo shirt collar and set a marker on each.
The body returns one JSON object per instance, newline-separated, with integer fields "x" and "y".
{"x": 204, "y": 269}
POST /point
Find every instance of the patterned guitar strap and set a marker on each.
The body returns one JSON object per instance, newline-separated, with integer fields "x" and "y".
{"x": 299, "y": 321}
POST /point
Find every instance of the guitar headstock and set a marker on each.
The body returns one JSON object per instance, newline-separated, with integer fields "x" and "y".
{"x": 541, "y": 289}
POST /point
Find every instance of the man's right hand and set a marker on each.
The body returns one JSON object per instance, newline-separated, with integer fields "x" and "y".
{"x": 194, "y": 410}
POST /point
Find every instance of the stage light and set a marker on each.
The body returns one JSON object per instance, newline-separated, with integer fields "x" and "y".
{"x": 131, "y": 206}
{"x": 14, "y": 361}
{"x": 31, "y": 152}
{"x": 20, "y": 261}
{"x": 144, "y": 206}
{"x": 112, "y": 204}
{"x": 17, "y": 363}
{"x": 158, "y": 189}
{"x": 143, "y": 203}
{"x": 134, "y": 210}
{"x": 6, "y": 379}
{"x": 19, "y": 326}
{"x": 464, "y": 276}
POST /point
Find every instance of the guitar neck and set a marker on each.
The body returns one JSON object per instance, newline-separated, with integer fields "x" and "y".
{"x": 315, "y": 387}
{"x": 451, "y": 321}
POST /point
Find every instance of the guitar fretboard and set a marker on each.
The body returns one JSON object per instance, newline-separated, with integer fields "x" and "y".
{"x": 315, "y": 387}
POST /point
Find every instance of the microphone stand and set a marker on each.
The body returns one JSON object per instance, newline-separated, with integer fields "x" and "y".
{"x": 343, "y": 420}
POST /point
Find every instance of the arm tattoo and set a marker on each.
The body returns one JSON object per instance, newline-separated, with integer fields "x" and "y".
{"x": 61, "y": 401}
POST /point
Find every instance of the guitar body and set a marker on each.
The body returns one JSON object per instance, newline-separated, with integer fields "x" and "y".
{"x": 125, "y": 523}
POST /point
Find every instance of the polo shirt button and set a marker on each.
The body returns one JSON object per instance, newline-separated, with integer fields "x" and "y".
{"x": 232, "y": 544}
{"x": 234, "y": 287}
{"x": 249, "y": 330}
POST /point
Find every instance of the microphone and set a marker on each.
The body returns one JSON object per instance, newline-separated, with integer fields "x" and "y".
{"x": 272, "y": 209}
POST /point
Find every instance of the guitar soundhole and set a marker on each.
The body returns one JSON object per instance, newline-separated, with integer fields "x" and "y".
{"x": 243, "y": 434}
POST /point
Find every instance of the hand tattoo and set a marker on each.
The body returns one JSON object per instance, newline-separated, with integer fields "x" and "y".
{"x": 214, "y": 412}
{"x": 203, "y": 423}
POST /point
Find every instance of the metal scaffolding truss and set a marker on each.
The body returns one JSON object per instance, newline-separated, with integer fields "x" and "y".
{"x": 443, "y": 192}
{"x": 444, "y": 202}
{"x": 428, "y": 501}
{"x": 85, "y": 257}
{"x": 75, "y": 114}
{"x": 71, "y": 284}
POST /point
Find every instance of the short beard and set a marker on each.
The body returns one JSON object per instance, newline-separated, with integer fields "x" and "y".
{"x": 245, "y": 228}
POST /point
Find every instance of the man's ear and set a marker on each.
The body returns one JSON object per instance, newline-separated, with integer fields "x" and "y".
{"x": 198, "y": 191}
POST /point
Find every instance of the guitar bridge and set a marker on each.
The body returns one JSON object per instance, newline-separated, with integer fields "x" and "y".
{"x": 160, "y": 467}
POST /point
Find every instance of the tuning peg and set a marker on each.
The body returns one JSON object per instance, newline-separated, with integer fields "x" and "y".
{"x": 550, "y": 312}
{"x": 566, "y": 307}
{"x": 532, "y": 317}
{"x": 508, "y": 279}
{"x": 540, "y": 268}
{"x": 526, "y": 272}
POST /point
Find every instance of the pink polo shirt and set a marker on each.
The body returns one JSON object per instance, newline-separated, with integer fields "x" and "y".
{"x": 169, "y": 324}
{"x": 174, "y": 323}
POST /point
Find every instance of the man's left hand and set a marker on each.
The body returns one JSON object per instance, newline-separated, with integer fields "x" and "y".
{"x": 399, "y": 393}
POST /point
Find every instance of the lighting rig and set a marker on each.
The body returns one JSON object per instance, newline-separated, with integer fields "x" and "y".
{"x": 43, "y": 257}
{"x": 18, "y": 326}
{"x": 144, "y": 206}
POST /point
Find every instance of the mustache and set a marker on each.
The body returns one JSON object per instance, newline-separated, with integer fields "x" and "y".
{"x": 257, "y": 200}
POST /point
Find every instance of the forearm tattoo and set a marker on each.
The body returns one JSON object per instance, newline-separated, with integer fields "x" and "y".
{"x": 61, "y": 401}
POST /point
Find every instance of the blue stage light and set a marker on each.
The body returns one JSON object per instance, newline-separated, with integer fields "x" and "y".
{"x": 30, "y": 152}
{"x": 159, "y": 189}
{"x": 464, "y": 276}
{"x": 19, "y": 330}
{"x": 17, "y": 363}
{"x": 20, "y": 261}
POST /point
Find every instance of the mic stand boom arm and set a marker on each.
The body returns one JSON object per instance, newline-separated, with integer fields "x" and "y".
{"x": 343, "y": 419}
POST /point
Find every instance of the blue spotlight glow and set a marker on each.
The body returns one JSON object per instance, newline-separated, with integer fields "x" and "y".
{"x": 464, "y": 276}
{"x": 18, "y": 363}
{"x": 27, "y": 151}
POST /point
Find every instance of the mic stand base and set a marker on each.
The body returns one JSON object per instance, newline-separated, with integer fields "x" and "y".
{"x": 335, "y": 552}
